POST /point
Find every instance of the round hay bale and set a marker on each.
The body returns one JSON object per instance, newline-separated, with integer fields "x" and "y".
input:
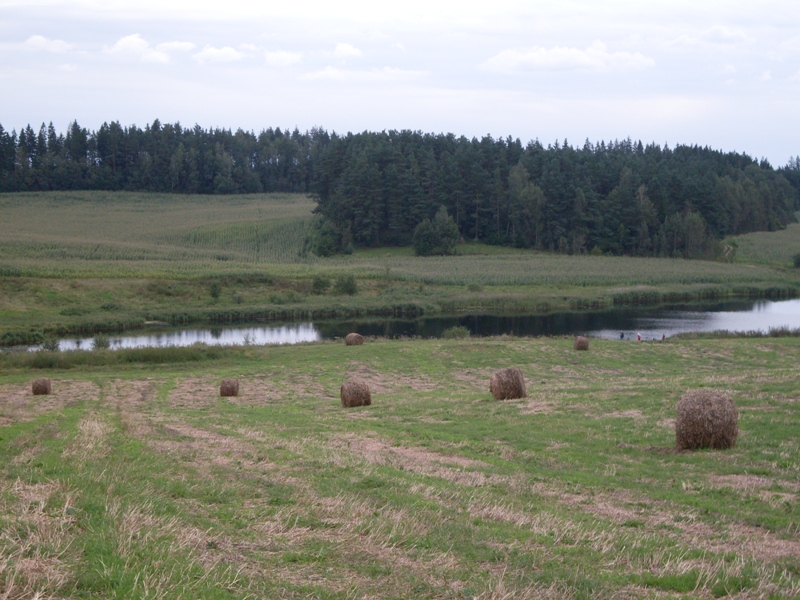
{"x": 229, "y": 387}
{"x": 507, "y": 384}
{"x": 355, "y": 392}
{"x": 581, "y": 343}
{"x": 41, "y": 386}
{"x": 706, "y": 419}
{"x": 354, "y": 339}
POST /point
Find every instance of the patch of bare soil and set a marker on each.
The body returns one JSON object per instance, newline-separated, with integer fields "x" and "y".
{"x": 19, "y": 405}
{"x": 419, "y": 460}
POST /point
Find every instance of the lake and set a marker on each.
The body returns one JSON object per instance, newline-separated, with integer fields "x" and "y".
{"x": 618, "y": 323}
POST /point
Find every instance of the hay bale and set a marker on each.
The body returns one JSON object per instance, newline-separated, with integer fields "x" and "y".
{"x": 229, "y": 387}
{"x": 581, "y": 343}
{"x": 507, "y": 384}
{"x": 354, "y": 339}
{"x": 706, "y": 419}
{"x": 355, "y": 392}
{"x": 41, "y": 386}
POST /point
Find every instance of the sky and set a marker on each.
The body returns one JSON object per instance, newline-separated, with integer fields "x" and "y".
{"x": 718, "y": 73}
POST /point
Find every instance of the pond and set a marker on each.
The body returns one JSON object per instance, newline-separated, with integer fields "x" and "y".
{"x": 618, "y": 323}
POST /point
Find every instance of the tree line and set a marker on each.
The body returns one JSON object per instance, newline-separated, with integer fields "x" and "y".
{"x": 376, "y": 188}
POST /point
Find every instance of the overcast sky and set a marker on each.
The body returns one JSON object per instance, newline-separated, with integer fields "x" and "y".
{"x": 718, "y": 73}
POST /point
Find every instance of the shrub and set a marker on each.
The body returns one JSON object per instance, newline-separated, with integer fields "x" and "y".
{"x": 456, "y": 332}
{"x": 51, "y": 345}
{"x": 796, "y": 260}
{"x": 101, "y": 342}
{"x": 345, "y": 285}
{"x": 320, "y": 285}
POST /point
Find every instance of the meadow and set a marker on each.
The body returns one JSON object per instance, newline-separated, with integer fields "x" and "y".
{"x": 100, "y": 261}
{"x": 135, "y": 479}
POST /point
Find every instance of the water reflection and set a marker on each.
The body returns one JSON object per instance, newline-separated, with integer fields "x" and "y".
{"x": 628, "y": 323}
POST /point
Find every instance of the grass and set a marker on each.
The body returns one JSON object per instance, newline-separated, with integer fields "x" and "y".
{"x": 135, "y": 479}
{"x": 73, "y": 262}
{"x": 768, "y": 248}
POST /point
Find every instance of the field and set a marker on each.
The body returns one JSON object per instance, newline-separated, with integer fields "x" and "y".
{"x": 96, "y": 261}
{"x": 140, "y": 481}
{"x": 775, "y": 247}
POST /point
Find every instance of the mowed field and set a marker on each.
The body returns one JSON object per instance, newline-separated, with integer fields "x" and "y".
{"x": 140, "y": 481}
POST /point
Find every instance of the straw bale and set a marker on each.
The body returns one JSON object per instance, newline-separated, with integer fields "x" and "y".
{"x": 507, "y": 384}
{"x": 229, "y": 387}
{"x": 354, "y": 339}
{"x": 41, "y": 386}
{"x": 355, "y": 392}
{"x": 581, "y": 343}
{"x": 706, "y": 419}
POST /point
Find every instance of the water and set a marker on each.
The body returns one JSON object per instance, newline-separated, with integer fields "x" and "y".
{"x": 650, "y": 323}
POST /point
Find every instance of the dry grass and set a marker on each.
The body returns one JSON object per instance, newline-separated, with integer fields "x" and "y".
{"x": 355, "y": 392}
{"x": 229, "y": 387}
{"x": 41, "y": 386}
{"x": 354, "y": 339}
{"x": 580, "y": 343}
{"x": 706, "y": 419}
{"x": 507, "y": 384}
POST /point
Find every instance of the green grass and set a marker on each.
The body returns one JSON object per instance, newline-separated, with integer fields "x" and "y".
{"x": 135, "y": 479}
{"x": 768, "y": 248}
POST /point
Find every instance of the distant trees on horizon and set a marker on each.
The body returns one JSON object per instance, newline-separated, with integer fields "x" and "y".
{"x": 377, "y": 188}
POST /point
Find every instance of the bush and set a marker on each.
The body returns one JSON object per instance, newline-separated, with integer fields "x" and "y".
{"x": 456, "y": 332}
{"x": 437, "y": 236}
{"x": 101, "y": 342}
{"x": 796, "y": 260}
{"x": 345, "y": 285}
{"x": 320, "y": 285}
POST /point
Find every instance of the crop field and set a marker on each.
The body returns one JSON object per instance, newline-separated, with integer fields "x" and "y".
{"x": 140, "y": 481}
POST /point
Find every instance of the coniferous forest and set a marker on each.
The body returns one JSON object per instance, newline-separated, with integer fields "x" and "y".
{"x": 375, "y": 189}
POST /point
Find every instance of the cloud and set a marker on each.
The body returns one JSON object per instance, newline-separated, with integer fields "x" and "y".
{"x": 347, "y": 51}
{"x": 39, "y": 42}
{"x": 558, "y": 58}
{"x": 210, "y": 54}
{"x": 384, "y": 75}
{"x": 135, "y": 46}
{"x": 282, "y": 58}
{"x": 718, "y": 35}
{"x": 176, "y": 47}
{"x": 766, "y": 76}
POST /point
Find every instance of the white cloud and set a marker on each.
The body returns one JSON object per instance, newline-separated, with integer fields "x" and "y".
{"x": 795, "y": 77}
{"x": 68, "y": 68}
{"x": 176, "y": 47}
{"x": 347, "y": 51}
{"x": 386, "y": 74}
{"x": 594, "y": 58}
{"x": 729, "y": 69}
{"x": 282, "y": 58}
{"x": 135, "y": 46}
{"x": 718, "y": 35}
{"x": 39, "y": 42}
{"x": 210, "y": 54}
{"x": 766, "y": 76}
